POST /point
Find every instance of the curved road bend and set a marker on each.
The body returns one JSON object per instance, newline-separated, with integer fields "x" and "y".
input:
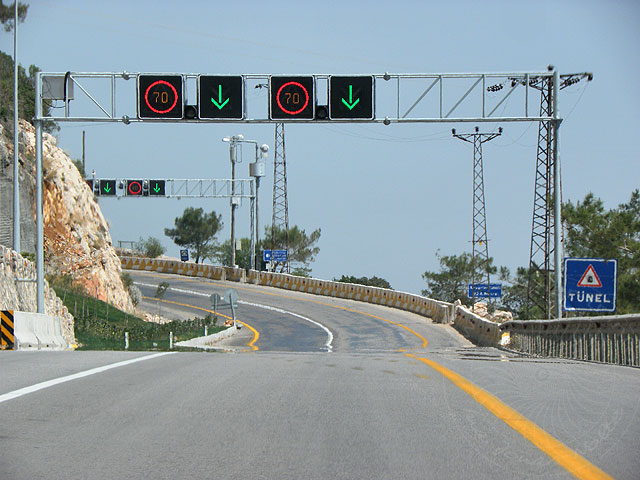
{"x": 291, "y": 410}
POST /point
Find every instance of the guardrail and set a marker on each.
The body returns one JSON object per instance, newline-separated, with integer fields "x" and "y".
{"x": 610, "y": 339}
{"x": 441, "y": 312}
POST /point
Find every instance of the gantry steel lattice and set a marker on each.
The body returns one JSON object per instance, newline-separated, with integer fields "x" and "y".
{"x": 427, "y": 98}
{"x": 280, "y": 218}
{"x": 479, "y": 240}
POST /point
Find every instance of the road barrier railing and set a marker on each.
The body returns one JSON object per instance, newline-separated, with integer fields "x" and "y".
{"x": 611, "y": 339}
{"x": 607, "y": 339}
{"x": 441, "y": 312}
{"x": 479, "y": 330}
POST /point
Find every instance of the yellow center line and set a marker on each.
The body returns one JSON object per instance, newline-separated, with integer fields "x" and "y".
{"x": 560, "y": 453}
{"x": 251, "y": 344}
{"x": 565, "y": 457}
{"x": 199, "y": 280}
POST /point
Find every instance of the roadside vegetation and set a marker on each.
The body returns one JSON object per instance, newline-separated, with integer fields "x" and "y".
{"x": 591, "y": 232}
{"x": 100, "y": 326}
{"x": 302, "y": 250}
{"x": 368, "y": 281}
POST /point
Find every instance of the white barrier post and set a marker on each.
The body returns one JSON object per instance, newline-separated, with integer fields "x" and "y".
{"x": 170, "y": 340}
{"x": 126, "y": 340}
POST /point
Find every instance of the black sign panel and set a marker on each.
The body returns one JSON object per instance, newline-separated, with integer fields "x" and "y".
{"x": 108, "y": 188}
{"x": 351, "y": 98}
{"x": 291, "y": 98}
{"x": 160, "y": 96}
{"x": 134, "y": 188}
{"x": 156, "y": 188}
{"x": 221, "y": 97}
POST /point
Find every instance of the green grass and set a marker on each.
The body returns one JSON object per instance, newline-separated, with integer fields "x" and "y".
{"x": 100, "y": 326}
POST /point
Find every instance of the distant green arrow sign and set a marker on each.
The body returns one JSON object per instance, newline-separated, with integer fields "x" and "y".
{"x": 220, "y": 104}
{"x": 107, "y": 188}
{"x": 156, "y": 188}
{"x": 351, "y": 103}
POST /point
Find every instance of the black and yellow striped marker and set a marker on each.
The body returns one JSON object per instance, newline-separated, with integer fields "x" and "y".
{"x": 7, "y": 339}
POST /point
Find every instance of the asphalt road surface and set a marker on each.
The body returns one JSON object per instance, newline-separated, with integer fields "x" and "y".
{"x": 317, "y": 388}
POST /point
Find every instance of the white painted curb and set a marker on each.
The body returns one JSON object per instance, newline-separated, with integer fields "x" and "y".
{"x": 205, "y": 342}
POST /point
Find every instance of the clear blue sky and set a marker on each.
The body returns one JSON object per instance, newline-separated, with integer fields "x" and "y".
{"x": 386, "y": 197}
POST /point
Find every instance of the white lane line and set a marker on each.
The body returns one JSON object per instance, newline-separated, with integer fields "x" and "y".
{"x": 328, "y": 345}
{"x": 68, "y": 378}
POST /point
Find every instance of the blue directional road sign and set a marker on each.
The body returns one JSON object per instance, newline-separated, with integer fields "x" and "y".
{"x": 279, "y": 255}
{"x": 184, "y": 255}
{"x": 590, "y": 284}
{"x": 481, "y": 290}
{"x": 274, "y": 255}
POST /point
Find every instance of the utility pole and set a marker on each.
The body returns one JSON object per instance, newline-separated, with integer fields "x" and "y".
{"x": 543, "y": 293}
{"x": 16, "y": 165}
{"x": 280, "y": 219}
{"x": 233, "y": 148}
{"x": 84, "y": 165}
{"x": 479, "y": 242}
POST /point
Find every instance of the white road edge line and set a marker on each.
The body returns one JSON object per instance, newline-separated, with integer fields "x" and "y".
{"x": 328, "y": 345}
{"x": 68, "y": 378}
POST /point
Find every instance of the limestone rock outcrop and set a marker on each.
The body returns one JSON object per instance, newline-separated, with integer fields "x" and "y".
{"x": 77, "y": 242}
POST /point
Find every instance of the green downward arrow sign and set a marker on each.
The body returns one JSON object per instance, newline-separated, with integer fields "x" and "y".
{"x": 156, "y": 188}
{"x": 350, "y": 104}
{"x": 220, "y": 104}
{"x": 107, "y": 188}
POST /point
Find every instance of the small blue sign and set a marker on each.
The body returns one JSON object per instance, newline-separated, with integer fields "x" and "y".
{"x": 184, "y": 255}
{"x": 590, "y": 284}
{"x": 280, "y": 255}
{"x": 481, "y": 290}
{"x": 266, "y": 255}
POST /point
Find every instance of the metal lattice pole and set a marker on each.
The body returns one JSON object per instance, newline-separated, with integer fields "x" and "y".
{"x": 539, "y": 287}
{"x": 479, "y": 242}
{"x": 280, "y": 219}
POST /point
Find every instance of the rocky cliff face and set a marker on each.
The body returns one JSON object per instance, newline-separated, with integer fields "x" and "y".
{"x": 17, "y": 294}
{"x": 76, "y": 236}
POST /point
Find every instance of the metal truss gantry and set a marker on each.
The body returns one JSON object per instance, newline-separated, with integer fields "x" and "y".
{"x": 234, "y": 189}
{"x": 280, "y": 218}
{"x": 422, "y": 97}
{"x": 479, "y": 240}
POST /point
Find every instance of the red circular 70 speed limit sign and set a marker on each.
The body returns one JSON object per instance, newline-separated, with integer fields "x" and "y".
{"x": 157, "y": 96}
{"x": 292, "y": 98}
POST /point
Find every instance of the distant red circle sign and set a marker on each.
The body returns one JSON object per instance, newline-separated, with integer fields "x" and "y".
{"x": 134, "y": 187}
{"x": 160, "y": 96}
{"x": 306, "y": 98}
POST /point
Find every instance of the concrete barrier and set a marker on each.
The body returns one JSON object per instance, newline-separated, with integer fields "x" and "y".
{"x": 208, "y": 341}
{"x": 441, "y": 312}
{"x": 37, "y": 331}
{"x": 479, "y": 330}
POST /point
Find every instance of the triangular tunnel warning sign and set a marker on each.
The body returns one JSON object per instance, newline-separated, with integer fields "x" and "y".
{"x": 590, "y": 278}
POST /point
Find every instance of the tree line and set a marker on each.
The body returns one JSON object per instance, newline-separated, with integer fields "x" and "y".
{"x": 196, "y": 230}
{"x": 592, "y": 231}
